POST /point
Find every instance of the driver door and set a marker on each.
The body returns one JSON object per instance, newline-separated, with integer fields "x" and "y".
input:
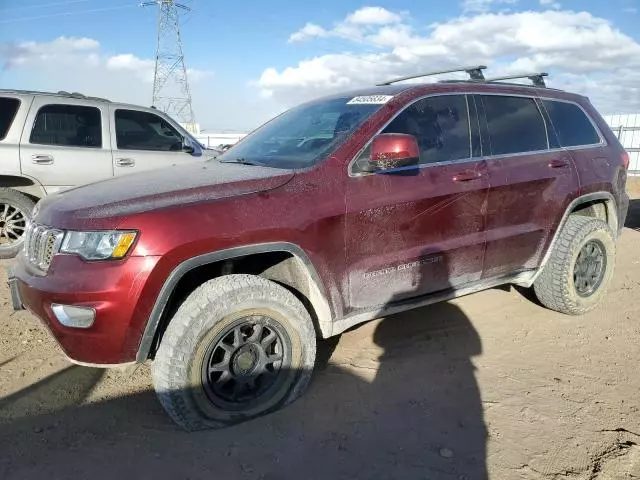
{"x": 418, "y": 231}
{"x": 142, "y": 140}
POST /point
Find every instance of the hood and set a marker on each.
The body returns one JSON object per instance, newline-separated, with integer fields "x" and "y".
{"x": 210, "y": 153}
{"x": 151, "y": 190}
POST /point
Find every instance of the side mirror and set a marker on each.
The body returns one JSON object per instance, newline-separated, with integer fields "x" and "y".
{"x": 187, "y": 147}
{"x": 393, "y": 150}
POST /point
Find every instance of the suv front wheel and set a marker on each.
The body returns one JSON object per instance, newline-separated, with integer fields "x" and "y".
{"x": 239, "y": 346}
{"x": 580, "y": 267}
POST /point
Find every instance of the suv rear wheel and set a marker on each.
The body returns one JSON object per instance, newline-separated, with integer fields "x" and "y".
{"x": 15, "y": 212}
{"x": 238, "y": 347}
{"x": 580, "y": 268}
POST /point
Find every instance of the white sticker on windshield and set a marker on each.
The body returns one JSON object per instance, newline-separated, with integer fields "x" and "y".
{"x": 370, "y": 99}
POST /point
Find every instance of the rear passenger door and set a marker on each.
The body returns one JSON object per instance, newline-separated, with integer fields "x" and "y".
{"x": 65, "y": 143}
{"x": 144, "y": 141}
{"x": 532, "y": 181}
{"x": 578, "y": 133}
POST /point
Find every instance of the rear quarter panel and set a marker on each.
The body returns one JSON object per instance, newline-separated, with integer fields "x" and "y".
{"x": 600, "y": 168}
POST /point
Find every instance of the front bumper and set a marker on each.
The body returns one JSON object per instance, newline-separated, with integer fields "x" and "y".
{"x": 114, "y": 289}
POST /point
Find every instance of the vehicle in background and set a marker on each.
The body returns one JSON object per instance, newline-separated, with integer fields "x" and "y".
{"x": 341, "y": 210}
{"x": 53, "y": 141}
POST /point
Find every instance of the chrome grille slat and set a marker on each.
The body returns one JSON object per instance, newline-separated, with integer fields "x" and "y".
{"x": 41, "y": 244}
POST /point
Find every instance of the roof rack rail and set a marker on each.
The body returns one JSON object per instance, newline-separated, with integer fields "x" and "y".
{"x": 81, "y": 95}
{"x": 536, "y": 78}
{"x": 59, "y": 93}
{"x": 474, "y": 72}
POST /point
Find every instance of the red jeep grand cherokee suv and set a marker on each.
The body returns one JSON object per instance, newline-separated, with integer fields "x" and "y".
{"x": 336, "y": 212}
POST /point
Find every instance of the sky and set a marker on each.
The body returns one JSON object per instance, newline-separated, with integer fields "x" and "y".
{"x": 248, "y": 60}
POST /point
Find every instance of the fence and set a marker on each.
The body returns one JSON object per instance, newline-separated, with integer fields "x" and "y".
{"x": 216, "y": 139}
{"x": 627, "y": 128}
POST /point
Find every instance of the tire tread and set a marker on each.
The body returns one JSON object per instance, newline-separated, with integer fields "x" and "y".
{"x": 182, "y": 333}
{"x": 554, "y": 285}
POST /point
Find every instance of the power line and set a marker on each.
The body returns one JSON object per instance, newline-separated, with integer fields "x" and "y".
{"x": 43, "y": 5}
{"x": 66, "y": 14}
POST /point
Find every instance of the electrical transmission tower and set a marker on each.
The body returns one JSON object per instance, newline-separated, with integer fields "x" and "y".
{"x": 171, "y": 92}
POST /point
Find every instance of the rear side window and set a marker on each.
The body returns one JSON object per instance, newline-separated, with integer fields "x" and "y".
{"x": 67, "y": 125}
{"x": 515, "y": 124}
{"x": 571, "y": 124}
{"x": 136, "y": 130}
{"x": 8, "y": 109}
{"x": 441, "y": 126}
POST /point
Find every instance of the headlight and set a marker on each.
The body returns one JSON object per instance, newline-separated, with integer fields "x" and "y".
{"x": 98, "y": 245}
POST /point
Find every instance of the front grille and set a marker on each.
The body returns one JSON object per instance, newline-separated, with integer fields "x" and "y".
{"x": 40, "y": 245}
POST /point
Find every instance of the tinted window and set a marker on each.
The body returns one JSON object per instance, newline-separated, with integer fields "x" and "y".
{"x": 571, "y": 124}
{"x": 515, "y": 124}
{"x": 304, "y": 135}
{"x": 8, "y": 110}
{"x": 67, "y": 125}
{"x": 441, "y": 126}
{"x": 137, "y": 130}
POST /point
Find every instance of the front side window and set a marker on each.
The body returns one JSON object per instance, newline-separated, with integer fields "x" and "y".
{"x": 136, "y": 130}
{"x": 8, "y": 110}
{"x": 440, "y": 125}
{"x": 67, "y": 125}
{"x": 515, "y": 124}
{"x": 304, "y": 135}
{"x": 571, "y": 124}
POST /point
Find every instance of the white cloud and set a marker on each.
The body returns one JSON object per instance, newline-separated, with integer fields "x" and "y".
{"x": 310, "y": 30}
{"x": 373, "y": 16}
{"x": 484, "y": 5}
{"x": 582, "y": 52}
{"x": 61, "y": 49}
{"x": 144, "y": 67}
{"x": 128, "y": 61}
{"x": 351, "y": 27}
{"x": 551, "y": 3}
{"x": 79, "y": 54}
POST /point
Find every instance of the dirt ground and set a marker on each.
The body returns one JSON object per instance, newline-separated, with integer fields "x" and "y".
{"x": 490, "y": 384}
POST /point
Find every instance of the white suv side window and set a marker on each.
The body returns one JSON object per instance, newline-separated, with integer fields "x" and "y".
{"x": 136, "y": 130}
{"x": 67, "y": 126}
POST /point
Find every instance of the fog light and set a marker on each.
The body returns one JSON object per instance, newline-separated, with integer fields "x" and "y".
{"x": 74, "y": 317}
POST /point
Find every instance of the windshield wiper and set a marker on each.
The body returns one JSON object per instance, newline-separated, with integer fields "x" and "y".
{"x": 241, "y": 161}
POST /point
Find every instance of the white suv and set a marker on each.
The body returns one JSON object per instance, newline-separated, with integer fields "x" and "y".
{"x": 54, "y": 141}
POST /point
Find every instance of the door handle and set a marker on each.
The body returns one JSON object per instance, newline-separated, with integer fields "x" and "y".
{"x": 42, "y": 159}
{"x": 558, "y": 163}
{"x": 467, "y": 176}
{"x": 125, "y": 162}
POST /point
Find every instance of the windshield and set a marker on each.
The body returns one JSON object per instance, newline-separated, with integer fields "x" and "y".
{"x": 301, "y": 136}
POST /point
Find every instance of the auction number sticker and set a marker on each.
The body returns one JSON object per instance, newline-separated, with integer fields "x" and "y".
{"x": 370, "y": 100}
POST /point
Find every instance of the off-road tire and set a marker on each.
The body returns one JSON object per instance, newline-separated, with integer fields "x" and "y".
{"x": 206, "y": 312}
{"x": 25, "y": 204}
{"x": 555, "y": 286}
